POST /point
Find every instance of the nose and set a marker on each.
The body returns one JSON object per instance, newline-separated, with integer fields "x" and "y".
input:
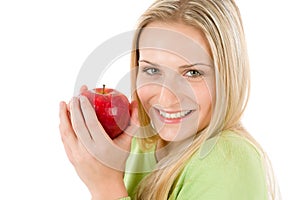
{"x": 170, "y": 90}
{"x": 167, "y": 97}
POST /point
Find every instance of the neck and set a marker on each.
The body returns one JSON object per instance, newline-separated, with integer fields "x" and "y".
{"x": 165, "y": 148}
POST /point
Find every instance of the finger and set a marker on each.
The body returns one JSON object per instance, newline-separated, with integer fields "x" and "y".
{"x": 67, "y": 134}
{"x": 103, "y": 146}
{"x": 124, "y": 141}
{"x": 68, "y": 109}
{"x": 95, "y": 128}
{"x": 134, "y": 121}
{"x": 83, "y": 88}
{"x": 69, "y": 152}
{"x": 68, "y": 106}
{"x": 78, "y": 122}
{"x": 134, "y": 113}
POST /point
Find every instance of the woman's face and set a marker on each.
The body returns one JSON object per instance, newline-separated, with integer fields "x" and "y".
{"x": 175, "y": 79}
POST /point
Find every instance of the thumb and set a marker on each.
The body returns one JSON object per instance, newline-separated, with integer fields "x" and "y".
{"x": 134, "y": 124}
{"x": 124, "y": 140}
{"x": 134, "y": 113}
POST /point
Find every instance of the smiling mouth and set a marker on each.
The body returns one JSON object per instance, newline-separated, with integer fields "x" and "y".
{"x": 174, "y": 115}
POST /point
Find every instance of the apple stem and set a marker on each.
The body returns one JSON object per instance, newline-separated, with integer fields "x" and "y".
{"x": 103, "y": 88}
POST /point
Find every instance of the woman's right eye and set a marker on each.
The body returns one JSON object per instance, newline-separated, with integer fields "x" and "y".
{"x": 151, "y": 71}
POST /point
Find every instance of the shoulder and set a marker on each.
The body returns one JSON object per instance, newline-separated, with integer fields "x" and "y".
{"x": 227, "y": 147}
{"x": 226, "y": 167}
{"x": 228, "y": 151}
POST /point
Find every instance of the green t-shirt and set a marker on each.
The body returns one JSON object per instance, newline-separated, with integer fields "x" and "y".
{"x": 228, "y": 167}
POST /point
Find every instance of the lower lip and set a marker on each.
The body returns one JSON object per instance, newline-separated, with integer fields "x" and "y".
{"x": 172, "y": 121}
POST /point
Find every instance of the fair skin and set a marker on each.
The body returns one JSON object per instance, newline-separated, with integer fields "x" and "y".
{"x": 175, "y": 85}
{"x": 103, "y": 182}
{"x": 177, "y": 92}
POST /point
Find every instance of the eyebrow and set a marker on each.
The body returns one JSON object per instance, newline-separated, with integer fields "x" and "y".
{"x": 182, "y": 66}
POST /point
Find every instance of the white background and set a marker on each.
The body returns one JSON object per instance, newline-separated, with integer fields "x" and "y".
{"x": 43, "y": 45}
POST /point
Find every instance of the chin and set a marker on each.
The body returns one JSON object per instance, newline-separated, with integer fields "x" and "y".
{"x": 175, "y": 136}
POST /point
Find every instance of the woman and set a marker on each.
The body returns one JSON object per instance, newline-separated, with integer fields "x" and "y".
{"x": 191, "y": 84}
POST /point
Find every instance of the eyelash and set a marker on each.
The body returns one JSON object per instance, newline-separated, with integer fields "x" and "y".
{"x": 199, "y": 74}
{"x": 147, "y": 71}
{"x": 151, "y": 71}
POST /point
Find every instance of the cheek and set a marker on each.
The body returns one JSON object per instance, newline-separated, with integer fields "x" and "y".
{"x": 205, "y": 94}
{"x": 204, "y": 101}
{"x": 141, "y": 92}
{"x": 205, "y": 98}
{"x": 144, "y": 96}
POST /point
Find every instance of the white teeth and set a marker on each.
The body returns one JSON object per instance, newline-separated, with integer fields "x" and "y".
{"x": 174, "y": 115}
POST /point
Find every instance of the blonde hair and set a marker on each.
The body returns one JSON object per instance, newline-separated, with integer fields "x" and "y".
{"x": 220, "y": 21}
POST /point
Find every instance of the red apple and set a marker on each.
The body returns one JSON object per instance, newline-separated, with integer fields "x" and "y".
{"x": 112, "y": 109}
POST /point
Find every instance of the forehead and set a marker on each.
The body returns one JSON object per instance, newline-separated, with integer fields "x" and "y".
{"x": 185, "y": 42}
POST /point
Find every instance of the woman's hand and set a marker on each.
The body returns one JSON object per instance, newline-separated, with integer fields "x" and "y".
{"x": 98, "y": 160}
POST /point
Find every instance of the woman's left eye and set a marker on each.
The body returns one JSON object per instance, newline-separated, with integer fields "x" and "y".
{"x": 193, "y": 74}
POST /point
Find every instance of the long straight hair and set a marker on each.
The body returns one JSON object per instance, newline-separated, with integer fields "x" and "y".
{"x": 221, "y": 23}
